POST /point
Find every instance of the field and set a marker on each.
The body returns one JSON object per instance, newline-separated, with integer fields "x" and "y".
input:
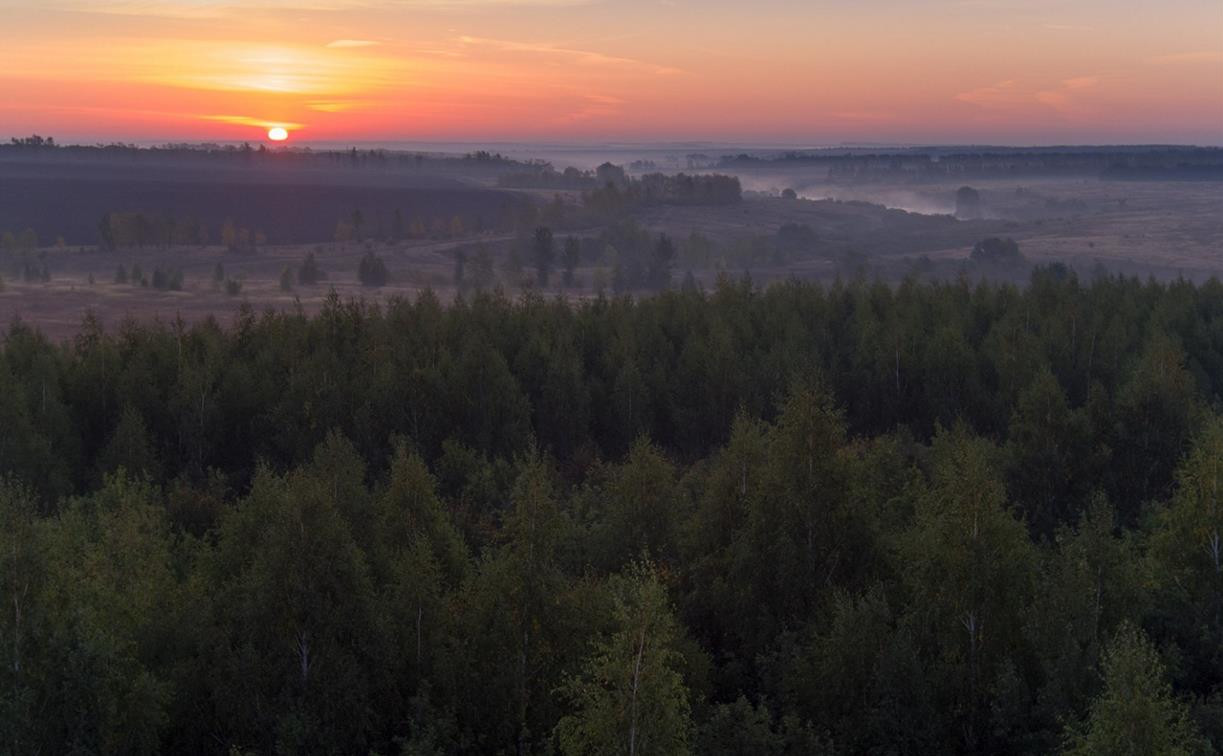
{"x": 1164, "y": 229}
{"x": 57, "y": 307}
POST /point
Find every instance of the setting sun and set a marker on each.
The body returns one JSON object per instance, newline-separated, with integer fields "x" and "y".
{"x": 277, "y": 134}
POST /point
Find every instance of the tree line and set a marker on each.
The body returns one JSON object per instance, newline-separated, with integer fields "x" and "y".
{"x": 846, "y": 518}
{"x": 477, "y": 163}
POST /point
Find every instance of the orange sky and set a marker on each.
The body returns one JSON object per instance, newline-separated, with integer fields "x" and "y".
{"x": 785, "y": 71}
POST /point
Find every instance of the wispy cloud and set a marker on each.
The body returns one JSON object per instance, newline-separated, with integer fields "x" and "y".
{"x": 1197, "y": 56}
{"x": 344, "y": 44}
{"x": 1001, "y": 95}
{"x": 238, "y": 120}
{"x": 1012, "y": 95}
{"x": 578, "y": 57}
{"x": 1080, "y": 82}
{"x": 225, "y": 8}
{"x": 592, "y": 106}
{"x": 338, "y": 106}
{"x": 864, "y": 116}
{"x": 1063, "y": 97}
{"x": 257, "y": 68}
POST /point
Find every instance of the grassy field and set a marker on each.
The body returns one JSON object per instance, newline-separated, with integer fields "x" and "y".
{"x": 1163, "y": 229}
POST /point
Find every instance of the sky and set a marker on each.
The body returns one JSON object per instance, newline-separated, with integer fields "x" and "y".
{"x": 793, "y": 72}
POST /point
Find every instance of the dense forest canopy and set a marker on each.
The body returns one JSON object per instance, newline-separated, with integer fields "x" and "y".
{"x": 927, "y": 518}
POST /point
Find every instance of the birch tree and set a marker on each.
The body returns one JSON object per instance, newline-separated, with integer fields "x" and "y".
{"x": 630, "y": 697}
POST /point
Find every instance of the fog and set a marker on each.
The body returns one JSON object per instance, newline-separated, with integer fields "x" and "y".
{"x": 235, "y": 220}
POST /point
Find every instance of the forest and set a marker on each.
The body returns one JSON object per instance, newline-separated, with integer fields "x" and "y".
{"x": 922, "y": 164}
{"x": 807, "y": 518}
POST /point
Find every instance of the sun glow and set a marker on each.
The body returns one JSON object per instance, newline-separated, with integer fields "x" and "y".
{"x": 277, "y": 134}
{"x": 384, "y": 70}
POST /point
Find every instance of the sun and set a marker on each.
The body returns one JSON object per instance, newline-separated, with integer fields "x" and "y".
{"x": 277, "y": 134}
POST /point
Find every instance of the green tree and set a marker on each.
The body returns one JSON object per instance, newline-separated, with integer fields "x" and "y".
{"x": 741, "y": 729}
{"x": 1052, "y": 458}
{"x": 371, "y": 271}
{"x": 1136, "y": 712}
{"x": 969, "y": 563}
{"x": 115, "y": 619}
{"x": 297, "y": 627}
{"x": 413, "y": 510}
{"x": 570, "y": 258}
{"x": 129, "y": 447}
{"x": 639, "y": 509}
{"x": 309, "y": 273}
{"x": 1193, "y": 532}
{"x": 1156, "y": 415}
{"x": 630, "y": 697}
{"x": 661, "y": 261}
{"x": 483, "y": 274}
{"x": 21, "y": 575}
{"x": 1089, "y": 585}
{"x": 1186, "y": 549}
{"x": 544, "y": 252}
{"x": 995, "y": 251}
{"x": 106, "y": 233}
{"x": 518, "y": 615}
{"x": 803, "y": 535}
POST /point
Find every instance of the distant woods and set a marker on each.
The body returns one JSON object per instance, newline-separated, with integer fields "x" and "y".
{"x": 609, "y": 190}
{"x": 291, "y": 195}
{"x": 214, "y": 183}
{"x": 908, "y": 165}
{"x": 609, "y": 203}
{"x": 137, "y": 229}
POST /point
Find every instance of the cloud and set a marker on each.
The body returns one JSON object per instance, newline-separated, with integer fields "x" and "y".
{"x": 224, "y": 8}
{"x": 1080, "y": 82}
{"x": 578, "y": 57}
{"x": 335, "y": 106}
{"x": 593, "y": 106}
{"x": 261, "y": 123}
{"x": 1000, "y": 95}
{"x": 1063, "y": 98}
{"x": 1011, "y": 95}
{"x": 605, "y": 99}
{"x": 341, "y": 44}
{"x": 1197, "y": 56}
{"x": 282, "y": 69}
{"x": 866, "y": 116}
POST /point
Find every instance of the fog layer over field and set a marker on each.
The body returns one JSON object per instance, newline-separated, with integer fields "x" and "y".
{"x": 194, "y": 231}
